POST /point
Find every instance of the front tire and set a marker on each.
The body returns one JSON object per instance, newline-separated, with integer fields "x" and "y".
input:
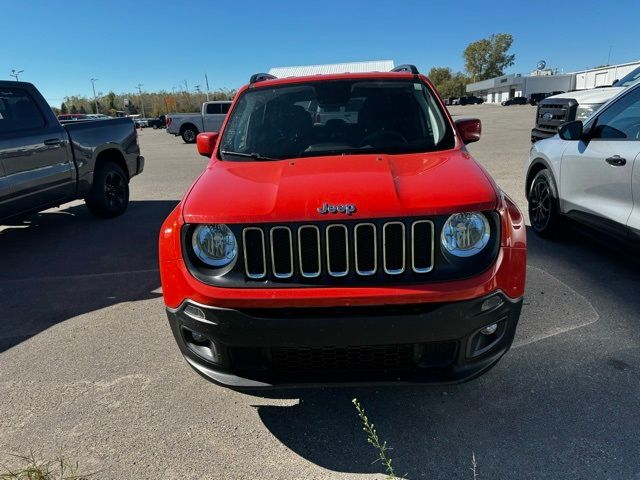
{"x": 109, "y": 196}
{"x": 189, "y": 134}
{"x": 544, "y": 210}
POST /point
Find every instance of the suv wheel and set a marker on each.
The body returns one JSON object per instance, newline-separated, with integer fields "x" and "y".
{"x": 189, "y": 134}
{"x": 109, "y": 196}
{"x": 544, "y": 212}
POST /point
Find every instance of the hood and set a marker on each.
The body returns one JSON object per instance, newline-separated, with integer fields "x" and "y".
{"x": 595, "y": 95}
{"x": 378, "y": 185}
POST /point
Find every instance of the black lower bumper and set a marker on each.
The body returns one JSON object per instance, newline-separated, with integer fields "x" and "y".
{"x": 420, "y": 343}
{"x": 537, "y": 134}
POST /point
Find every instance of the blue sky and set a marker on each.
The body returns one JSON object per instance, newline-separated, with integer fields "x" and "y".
{"x": 61, "y": 45}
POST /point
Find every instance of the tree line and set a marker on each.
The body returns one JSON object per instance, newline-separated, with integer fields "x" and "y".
{"x": 483, "y": 59}
{"x": 154, "y": 103}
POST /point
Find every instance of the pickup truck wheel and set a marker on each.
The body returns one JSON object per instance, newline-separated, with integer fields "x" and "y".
{"x": 189, "y": 134}
{"x": 544, "y": 211}
{"x": 109, "y": 194}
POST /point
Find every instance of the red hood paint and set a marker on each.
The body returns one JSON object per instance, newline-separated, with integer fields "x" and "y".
{"x": 379, "y": 185}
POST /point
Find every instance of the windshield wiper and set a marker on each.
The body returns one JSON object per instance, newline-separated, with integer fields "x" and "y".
{"x": 254, "y": 156}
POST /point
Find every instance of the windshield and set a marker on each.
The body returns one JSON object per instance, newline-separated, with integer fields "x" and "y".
{"x": 333, "y": 118}
{"x": 629, "y": 79}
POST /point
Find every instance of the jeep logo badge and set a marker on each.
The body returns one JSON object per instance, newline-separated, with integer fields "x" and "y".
{"x": 348, "y": 208}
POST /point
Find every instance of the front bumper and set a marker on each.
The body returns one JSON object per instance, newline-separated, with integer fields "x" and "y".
{"x": 415, "y": 343}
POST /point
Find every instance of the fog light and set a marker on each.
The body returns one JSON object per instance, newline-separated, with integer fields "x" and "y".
{"x": 489, "y": 329}
{"x": 195, "y": 312}
{"x": 491, "y": 303}
{"x": 198, "y": 337}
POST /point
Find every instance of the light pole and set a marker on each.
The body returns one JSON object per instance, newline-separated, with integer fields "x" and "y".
{"x": 206, "y": 80}
{"x": 15, "y": 73}
{"x": 95, "y": 99}
{"x": 141, "y": 100}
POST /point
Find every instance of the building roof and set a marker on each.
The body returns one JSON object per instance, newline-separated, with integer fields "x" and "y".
{"x": 352, "y": 67}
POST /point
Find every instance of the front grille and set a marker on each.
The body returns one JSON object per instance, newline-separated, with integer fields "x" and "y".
{"x": 322, "y": 360}
{"x": 553, "y": 113}
{"x": 338, "y": 250}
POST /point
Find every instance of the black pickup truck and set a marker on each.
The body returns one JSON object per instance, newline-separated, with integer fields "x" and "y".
{"x": 45, "y": 164}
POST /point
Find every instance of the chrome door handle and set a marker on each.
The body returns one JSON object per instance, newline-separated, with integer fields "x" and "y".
{"x": 53, "y": 141}
{"x": 616, "y": 161}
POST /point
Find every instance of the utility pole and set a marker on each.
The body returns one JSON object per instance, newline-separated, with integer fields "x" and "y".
{"x": 141, "y": 99}
{"x": 609, "y": 57}
{"x": 15, "y": 73}
{"x": 206, "y": 79}
{"x": 95, "y": 99}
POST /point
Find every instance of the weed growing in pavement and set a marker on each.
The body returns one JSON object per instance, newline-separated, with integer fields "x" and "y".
{"x": 34, "y": 469}
{"x": 374, "y": 440}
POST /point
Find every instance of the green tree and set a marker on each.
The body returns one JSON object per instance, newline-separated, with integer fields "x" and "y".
{"x": 488, "y": 57}
{"x": 447, "y": 83}
{"x": 73, "y": 110}
{"x": 82, "y": 109}
{"x": 63, "y": 108}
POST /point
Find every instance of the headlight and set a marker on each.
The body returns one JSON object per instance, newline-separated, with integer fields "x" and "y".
{"x": 585, "y": 111}
{"x": 465, "y": 234}
{"x": 215, "y": 244}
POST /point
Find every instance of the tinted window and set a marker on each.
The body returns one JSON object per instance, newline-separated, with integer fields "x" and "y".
{"x": 621, "y": 120}
{"x": 18, "y": 111}
{"x": 333, "y": 118}
{"x": 213, "y": 108}
{"x": 225, "y": 108}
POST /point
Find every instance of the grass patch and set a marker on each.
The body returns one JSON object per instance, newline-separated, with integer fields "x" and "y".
{"x": 30, "y": 468}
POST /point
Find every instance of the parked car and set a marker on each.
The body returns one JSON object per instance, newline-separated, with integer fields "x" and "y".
{"x": 44, "y": 163}
{"x": 515, "y": 101}
{"x": 534, "y": 98}
{"x": 188, "y": 125}
{"x": 72, "y": 117}
{"x": 470, "y": 100}
{"x": 141, "y": 122}
{"x": 159, "y": 122}
{"x": 384, "y": 254}
{"x": 590, "y": 172}
{"x": 580, "y": 105}
{"x": 98, "y": 116}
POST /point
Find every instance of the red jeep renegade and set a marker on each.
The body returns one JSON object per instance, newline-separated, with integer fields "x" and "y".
{"x": 342, "y": 232}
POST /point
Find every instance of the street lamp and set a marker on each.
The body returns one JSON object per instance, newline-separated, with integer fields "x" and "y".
{"x": 95, "y": 99}
{"x": 141, "y": 100}
{"x": 15, "y": 73}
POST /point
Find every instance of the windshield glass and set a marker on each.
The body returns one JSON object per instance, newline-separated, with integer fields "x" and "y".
{"x": 629, "y": 79}
{"x": 335, "y": 117}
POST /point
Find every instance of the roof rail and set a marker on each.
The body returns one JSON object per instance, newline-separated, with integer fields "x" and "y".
{"x": 261, "y": 77}
{"x": 406, "y": 68}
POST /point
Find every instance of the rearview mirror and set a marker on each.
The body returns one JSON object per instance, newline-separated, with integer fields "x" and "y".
{"x": 206, "y": 142}
{"x": 469, "y": 129}
{"x": 571, "y": 130}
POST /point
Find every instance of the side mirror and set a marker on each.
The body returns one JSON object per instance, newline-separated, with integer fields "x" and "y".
{"x": 615, "y": 81}
{"x": 571, "y": 130}
{"x": 469, "y": 129}
{"x": 206, "y": 142}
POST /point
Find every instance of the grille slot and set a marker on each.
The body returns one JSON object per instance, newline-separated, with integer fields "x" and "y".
{"x": 366, "y": 249}
{"x": 309, "y": 255}
{"x": 422, "y": 245}
{"x": 393, "y": 248}
{"x": 255, "y": 262}
{"x": 281, "y": 252}
{"x": 337, "y": 250}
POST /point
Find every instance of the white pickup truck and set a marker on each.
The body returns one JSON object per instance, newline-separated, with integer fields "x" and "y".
{"x": 579, "y": 105}
{"x": 189, "y": 125}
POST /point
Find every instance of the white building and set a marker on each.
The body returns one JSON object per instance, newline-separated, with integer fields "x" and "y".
{"x": 496, "y": 90}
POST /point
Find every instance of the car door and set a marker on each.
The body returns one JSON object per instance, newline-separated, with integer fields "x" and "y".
{"x": 35, "y": 154}
{"x": 596, "y": 173}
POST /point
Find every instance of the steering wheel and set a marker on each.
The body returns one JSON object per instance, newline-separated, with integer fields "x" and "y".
{"x": 383, "y": 136}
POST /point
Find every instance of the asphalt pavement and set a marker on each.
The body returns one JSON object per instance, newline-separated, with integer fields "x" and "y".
{"x": 89, "y": 368}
